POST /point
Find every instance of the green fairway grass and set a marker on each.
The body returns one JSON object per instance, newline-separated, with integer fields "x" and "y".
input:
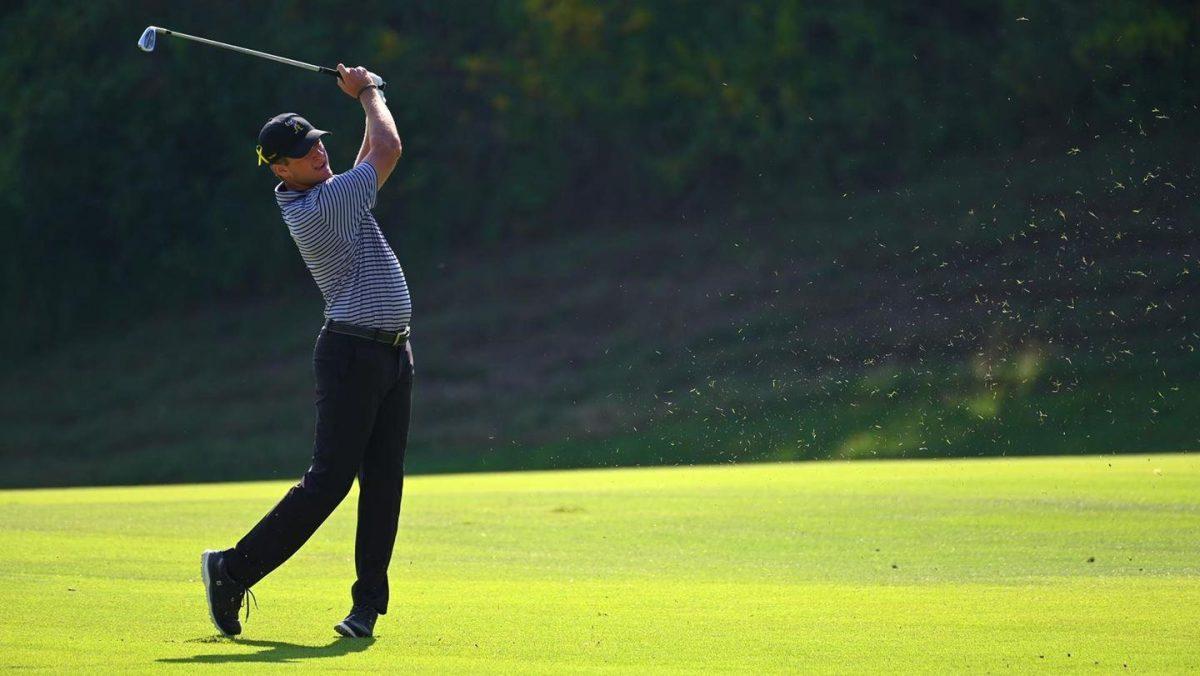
{"x": 931, "y": 565}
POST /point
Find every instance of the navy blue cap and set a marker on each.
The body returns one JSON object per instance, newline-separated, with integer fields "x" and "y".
{"x": 286, "y": 135}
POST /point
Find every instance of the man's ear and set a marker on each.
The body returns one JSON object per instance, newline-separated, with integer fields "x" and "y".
{"x": 281, "y": 171}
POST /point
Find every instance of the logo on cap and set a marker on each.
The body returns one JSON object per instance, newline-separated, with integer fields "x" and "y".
{"x": 264, "y": 159}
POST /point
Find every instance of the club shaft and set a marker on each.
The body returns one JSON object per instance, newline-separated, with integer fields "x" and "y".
{"x": 251, "y": 52}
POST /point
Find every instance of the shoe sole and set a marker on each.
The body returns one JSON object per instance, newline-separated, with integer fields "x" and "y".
{"x": 208, "y": 589}
{"x": 346, "y": 629}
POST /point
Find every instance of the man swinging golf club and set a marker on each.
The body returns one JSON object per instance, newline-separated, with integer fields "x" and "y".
{"x": 362, "y": 361}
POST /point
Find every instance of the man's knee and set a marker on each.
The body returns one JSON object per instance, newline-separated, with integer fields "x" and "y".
{"x": 329, "y": 483}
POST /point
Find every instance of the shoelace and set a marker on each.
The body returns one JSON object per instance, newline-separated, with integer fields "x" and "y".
{"x": 246, "y": 601}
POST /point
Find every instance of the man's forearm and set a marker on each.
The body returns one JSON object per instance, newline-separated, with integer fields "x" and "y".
{"x": 381, "y": 142}
{"x": 364, "y": 148}
{"x": 381, "y": 128}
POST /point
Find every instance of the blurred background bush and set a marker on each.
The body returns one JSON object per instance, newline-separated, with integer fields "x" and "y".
{"x": 637, "y": 231}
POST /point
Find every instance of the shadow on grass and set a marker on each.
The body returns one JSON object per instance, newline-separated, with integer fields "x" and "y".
{"x": 276, "y": 651}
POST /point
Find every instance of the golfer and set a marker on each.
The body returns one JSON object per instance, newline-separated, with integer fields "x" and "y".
{"x": 362, "y": 361}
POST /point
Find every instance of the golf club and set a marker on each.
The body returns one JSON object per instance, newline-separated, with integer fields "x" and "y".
{"x": 150, "y": 37}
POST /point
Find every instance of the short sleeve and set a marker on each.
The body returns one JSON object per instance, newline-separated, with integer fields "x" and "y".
{"x": 346, "y": 198}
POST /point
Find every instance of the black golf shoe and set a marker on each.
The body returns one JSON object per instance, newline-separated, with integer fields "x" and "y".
{"x": 360, "y": 623}
{"x": 225, "y": 595}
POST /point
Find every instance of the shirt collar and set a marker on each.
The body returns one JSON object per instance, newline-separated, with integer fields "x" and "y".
{"x": 284, "y": 196}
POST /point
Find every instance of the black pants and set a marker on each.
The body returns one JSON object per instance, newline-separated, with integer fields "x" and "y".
{"x": 363, "y": 398}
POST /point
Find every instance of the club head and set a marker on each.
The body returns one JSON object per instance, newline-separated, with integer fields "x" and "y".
{"x": 146, "y": 42}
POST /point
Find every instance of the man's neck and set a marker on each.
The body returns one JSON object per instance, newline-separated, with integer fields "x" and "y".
{"x": 296, "y": 187}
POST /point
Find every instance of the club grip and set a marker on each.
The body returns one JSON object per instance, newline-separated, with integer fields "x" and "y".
{"x": 374, "y": 78}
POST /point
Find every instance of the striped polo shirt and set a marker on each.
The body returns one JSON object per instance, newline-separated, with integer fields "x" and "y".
{"x": 345, "y": 251}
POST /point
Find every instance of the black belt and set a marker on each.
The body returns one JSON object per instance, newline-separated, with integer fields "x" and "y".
{"x": 393, "y": 338}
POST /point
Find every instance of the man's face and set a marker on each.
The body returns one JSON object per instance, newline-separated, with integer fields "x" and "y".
{"x": 305, "y": 171}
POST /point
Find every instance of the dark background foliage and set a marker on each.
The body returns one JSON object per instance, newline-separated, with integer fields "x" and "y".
{"x": 636, "y": 231}
{"x": 130, "y": 182}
